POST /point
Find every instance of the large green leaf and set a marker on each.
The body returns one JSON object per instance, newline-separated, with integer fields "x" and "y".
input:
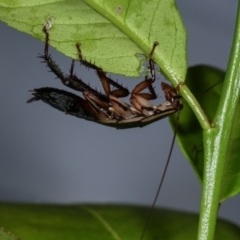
{"x": 4, "y": 235}
{"x": 190, "y": 133}
{"x": 78, "y": 222}
{"x": 113, "y": 35}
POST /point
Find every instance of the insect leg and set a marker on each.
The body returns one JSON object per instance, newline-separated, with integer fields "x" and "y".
{"x": 171, "y": 95}
{"x": 72, "y": 68}
{"x": 151, "y": 68}
{"x": 48, "y": 59}
{"x": 151, "y": 62}
{"x": 70, "y": 80}
{"x": 67, "y": 102}
{"x": 120, "y": 91}
{"x": 141, "y": 100}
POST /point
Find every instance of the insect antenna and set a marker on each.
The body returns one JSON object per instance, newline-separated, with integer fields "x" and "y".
{"x": 171, "y": 95}
{"x": 209, "y": 88}
{"x": 163, "y": 176}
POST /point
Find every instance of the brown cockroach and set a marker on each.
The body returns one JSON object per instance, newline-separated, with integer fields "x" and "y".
{"x": 107, "y": 108}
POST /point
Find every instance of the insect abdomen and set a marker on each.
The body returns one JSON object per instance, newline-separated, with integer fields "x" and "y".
{"x": 64, "y": 101}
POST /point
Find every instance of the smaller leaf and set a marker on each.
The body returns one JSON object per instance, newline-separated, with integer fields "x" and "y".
{"x": 190, "y": 135}
{"x": 200, "y": 80}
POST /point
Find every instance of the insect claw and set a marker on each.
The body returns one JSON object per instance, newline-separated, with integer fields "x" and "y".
{"x": 179, "y": 86}
{"x": 35, "y": 98}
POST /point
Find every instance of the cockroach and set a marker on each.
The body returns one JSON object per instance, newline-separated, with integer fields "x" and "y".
{"x": 107, "y": 108}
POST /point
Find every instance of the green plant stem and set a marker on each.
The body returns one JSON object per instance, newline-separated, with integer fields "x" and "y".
{"x": 216, "y": 141}
{"x": 195, "y": 106}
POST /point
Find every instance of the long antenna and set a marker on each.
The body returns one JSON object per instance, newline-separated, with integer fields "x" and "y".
{"x": 162, "y": 178}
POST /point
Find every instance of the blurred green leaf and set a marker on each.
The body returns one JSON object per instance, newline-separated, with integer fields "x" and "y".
{"x": 4, "y": 235}
{"x": 74, "y": 222}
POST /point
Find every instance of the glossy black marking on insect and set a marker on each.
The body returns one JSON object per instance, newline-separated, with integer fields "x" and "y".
{"x": 64, "y": 101}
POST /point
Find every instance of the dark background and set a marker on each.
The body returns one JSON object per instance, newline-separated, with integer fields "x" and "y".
{"x": 46, "y": 156}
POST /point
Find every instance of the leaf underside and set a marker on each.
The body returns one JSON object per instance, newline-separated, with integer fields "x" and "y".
{"x": 113, "y": 34}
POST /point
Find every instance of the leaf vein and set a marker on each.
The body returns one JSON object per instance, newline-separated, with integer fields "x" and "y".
{"x": 103, "y": 221}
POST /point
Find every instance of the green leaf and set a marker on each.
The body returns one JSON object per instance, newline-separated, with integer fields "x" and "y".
{"x": 4, "y": 235}
{"x": 190, "y": 134}
{"x": 74, "y": 222}
{"x": 113, "y": 35}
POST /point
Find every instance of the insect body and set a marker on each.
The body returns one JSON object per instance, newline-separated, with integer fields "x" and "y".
{"x": 106, "y": 108}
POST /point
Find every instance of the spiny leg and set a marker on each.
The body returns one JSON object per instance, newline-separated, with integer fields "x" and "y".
{"x": 151, "y": 68}
{"x": 120, "y": 91}
{"x": 45, "y": 30}
{"x": 99, "y": 103}
{"x": 75, "y": 83}
{"x": 52, "y": 65}
{"x": 141, "y": 100}
{"x": 72, "y": 68}
{"x": 151, "y": 62}
{"x": 71, "y": 80}
{"x": 48, "y": 59}
{"x": 148, "y": 81}
{"x": 119, "y": 109}
{"x": 113, "y": 104}
{"x": 85, "y": 62}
